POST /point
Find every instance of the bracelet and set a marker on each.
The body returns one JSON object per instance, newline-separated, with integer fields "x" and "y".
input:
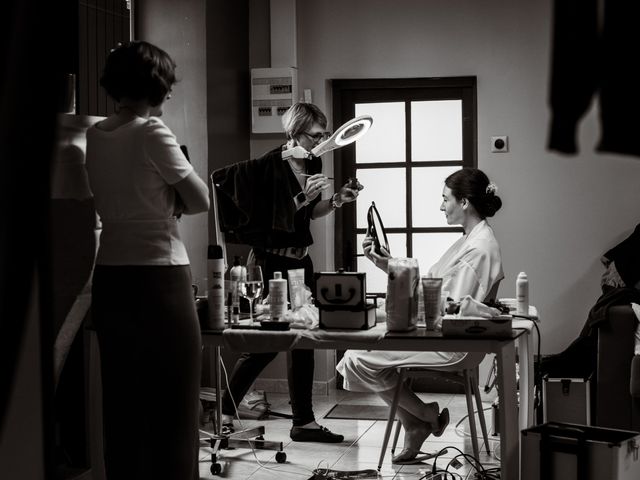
{"x": 333, "y": 203}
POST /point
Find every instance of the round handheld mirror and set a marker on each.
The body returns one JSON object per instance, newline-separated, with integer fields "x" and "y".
{"x": 348, "y": 133}
{"x": 375, "y": 229}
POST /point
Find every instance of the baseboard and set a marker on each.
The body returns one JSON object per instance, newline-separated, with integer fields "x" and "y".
{"x": 280, "y": 385}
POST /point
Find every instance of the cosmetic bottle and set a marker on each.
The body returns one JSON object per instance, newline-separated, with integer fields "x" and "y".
{"x": 522, "y": 294}
{"x": 215, "y": 287}
{"x": 277, "y": 296}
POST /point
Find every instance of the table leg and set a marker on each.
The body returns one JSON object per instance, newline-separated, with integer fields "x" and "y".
{"x": 508, "y": 415}
{"x": 218, "y": 425}
{"x": 525, "y": 357}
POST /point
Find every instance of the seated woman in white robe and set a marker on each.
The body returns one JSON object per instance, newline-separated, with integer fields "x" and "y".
{"x": 471, "y": 266}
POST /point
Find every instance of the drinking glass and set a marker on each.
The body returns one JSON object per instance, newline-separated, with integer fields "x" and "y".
{"x": 251, "y": 287}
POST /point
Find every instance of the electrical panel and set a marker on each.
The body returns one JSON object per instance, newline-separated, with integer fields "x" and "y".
{"x": 273, "y": 91}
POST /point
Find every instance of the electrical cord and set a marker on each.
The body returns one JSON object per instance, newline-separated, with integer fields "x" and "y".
{"x": 251, "y": 443}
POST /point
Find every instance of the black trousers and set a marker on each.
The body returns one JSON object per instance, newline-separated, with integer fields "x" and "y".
{"x": 150, "y": 352}
{"x": 300, "y": 363}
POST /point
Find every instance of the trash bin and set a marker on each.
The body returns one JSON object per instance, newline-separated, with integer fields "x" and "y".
{"x": 566, "y": 451}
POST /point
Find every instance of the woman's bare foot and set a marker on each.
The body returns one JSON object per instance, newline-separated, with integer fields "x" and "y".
{"x": 414, "y": 436}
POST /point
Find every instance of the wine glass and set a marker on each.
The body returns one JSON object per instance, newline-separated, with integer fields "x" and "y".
{"x": 251, "y": 286}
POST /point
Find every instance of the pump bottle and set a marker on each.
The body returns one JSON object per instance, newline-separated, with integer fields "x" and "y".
{"x": 277, "y": 296}
{"x": 522, "y": 294}
{"x": 215, "y": 287}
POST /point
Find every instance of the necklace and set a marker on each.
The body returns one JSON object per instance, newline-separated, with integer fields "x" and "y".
{"x": 296, "y": 170}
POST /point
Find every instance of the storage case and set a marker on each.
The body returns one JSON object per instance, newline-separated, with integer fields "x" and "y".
{"x": 566, "y": 400}
{"x": 341, "y": 300}
{"x": 565, "y": 451}
{"x": 340, "y": 289}
{"x": 360, "y": 319}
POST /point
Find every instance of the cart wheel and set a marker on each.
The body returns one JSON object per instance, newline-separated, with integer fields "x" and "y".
{"x": 281, "y": 457}
{"x": 216, "y": 469}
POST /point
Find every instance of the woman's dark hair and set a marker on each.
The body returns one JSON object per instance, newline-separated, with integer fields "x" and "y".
{"x": 139, "y": 70}
{"x": 474, "y": 185}
{"x": 300, "y": 117}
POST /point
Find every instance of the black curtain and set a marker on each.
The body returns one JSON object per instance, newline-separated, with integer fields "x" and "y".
{"x": 30, "y": 33}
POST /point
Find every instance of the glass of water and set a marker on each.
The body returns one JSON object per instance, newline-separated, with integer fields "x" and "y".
{"x": 251, "y": 287}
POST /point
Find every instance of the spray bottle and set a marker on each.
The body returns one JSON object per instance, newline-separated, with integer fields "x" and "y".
{"x": 522, "y": 294}
{"x": 215, "y": 287}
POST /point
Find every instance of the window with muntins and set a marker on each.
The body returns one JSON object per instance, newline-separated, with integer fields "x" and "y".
{"x": 423, "y": 130}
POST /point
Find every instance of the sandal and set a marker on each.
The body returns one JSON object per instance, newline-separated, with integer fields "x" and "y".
{"x": 443, "y": 421}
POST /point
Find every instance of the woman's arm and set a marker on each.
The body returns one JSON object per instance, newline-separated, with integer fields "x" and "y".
{"x": 194, "y": 194}
{"x": 380, "y": 261}
{"x": 345, "y": 195}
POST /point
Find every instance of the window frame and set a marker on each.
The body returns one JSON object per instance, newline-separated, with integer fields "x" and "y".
{"x": 348, "y": 92}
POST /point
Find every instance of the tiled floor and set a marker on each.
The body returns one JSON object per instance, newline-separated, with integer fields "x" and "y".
{"x": 360, "y": 449}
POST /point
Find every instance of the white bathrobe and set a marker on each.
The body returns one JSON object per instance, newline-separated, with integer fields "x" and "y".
{"x": 471, "y": 266}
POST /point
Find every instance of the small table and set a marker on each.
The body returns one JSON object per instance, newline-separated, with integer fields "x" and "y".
{"x": 423, "y": 340}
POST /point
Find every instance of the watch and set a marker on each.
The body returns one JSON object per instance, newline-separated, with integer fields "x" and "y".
{"x": 334, "y": 204}
{"x": 301, "y": 198}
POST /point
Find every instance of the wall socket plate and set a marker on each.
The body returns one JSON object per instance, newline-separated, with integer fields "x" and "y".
{"x": 500, "y": 144}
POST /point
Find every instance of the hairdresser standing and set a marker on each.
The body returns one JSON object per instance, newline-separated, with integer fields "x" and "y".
{"x": 142, "y": 301}
{"x": 269, "y": 203}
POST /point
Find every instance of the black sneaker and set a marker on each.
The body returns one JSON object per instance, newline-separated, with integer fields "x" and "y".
{"x": 320, "y": 435}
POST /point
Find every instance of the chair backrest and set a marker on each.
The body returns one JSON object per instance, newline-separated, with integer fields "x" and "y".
{"x": 493, "y": 293}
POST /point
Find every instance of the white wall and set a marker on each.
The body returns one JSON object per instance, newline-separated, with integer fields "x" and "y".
{"x": 560, "y": 213}
{"x": 179, "y": 28}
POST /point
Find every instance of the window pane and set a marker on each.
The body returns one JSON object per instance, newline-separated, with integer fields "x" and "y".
{"x": 436, "y": 130}
{"x": 429, "y": 247}
{"x": 386, "y": 187}
{"x": 426, "y": 185}
{"x": 385, "y": 140}
{"x": 376, "y": 278}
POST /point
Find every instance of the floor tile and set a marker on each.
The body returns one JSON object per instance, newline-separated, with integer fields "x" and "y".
{"x": 360, "y": 450}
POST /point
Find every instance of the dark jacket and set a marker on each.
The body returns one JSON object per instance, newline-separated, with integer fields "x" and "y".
{"x": 256, "y": 202}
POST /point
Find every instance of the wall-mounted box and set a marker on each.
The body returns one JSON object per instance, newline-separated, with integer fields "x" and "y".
{"x": 273, "y": 91}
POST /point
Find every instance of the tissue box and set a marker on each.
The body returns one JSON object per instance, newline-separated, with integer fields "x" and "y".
{"x": 340, "y": 290}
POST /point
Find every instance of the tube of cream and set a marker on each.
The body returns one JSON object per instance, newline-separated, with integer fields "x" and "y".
{"x": 296, "y": 287}
{"x": 431, "y": 288}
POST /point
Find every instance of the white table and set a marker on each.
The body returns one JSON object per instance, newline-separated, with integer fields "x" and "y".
{"x": 422, "y": 340}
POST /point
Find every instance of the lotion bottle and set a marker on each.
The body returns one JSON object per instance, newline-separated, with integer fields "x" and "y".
{"x": 522, "y": 294}
{"x": 236, "y": 275}
{"x": 277, "y": 296}
{"x": 215, "y": 287}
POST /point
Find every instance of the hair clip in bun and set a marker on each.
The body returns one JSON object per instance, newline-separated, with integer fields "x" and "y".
{"x": 491, "y": 188}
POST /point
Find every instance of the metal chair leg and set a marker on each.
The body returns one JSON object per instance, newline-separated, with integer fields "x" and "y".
{"x": 392, "y": 414}
{"x": 396, "y": 433}
{"x": 470, "y": 409}
{"x": 483, "y": 423}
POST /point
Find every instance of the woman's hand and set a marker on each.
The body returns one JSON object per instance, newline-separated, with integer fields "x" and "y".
{"x": 380, "y": 261}
{"x": 349, "y": 192}
{"x": 315, "y": 185}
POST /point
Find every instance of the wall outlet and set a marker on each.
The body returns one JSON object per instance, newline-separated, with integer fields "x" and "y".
{"x": 500, "y": 144}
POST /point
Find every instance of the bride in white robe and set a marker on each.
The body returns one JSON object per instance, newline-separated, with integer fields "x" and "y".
{"x": 471, "y": 266}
